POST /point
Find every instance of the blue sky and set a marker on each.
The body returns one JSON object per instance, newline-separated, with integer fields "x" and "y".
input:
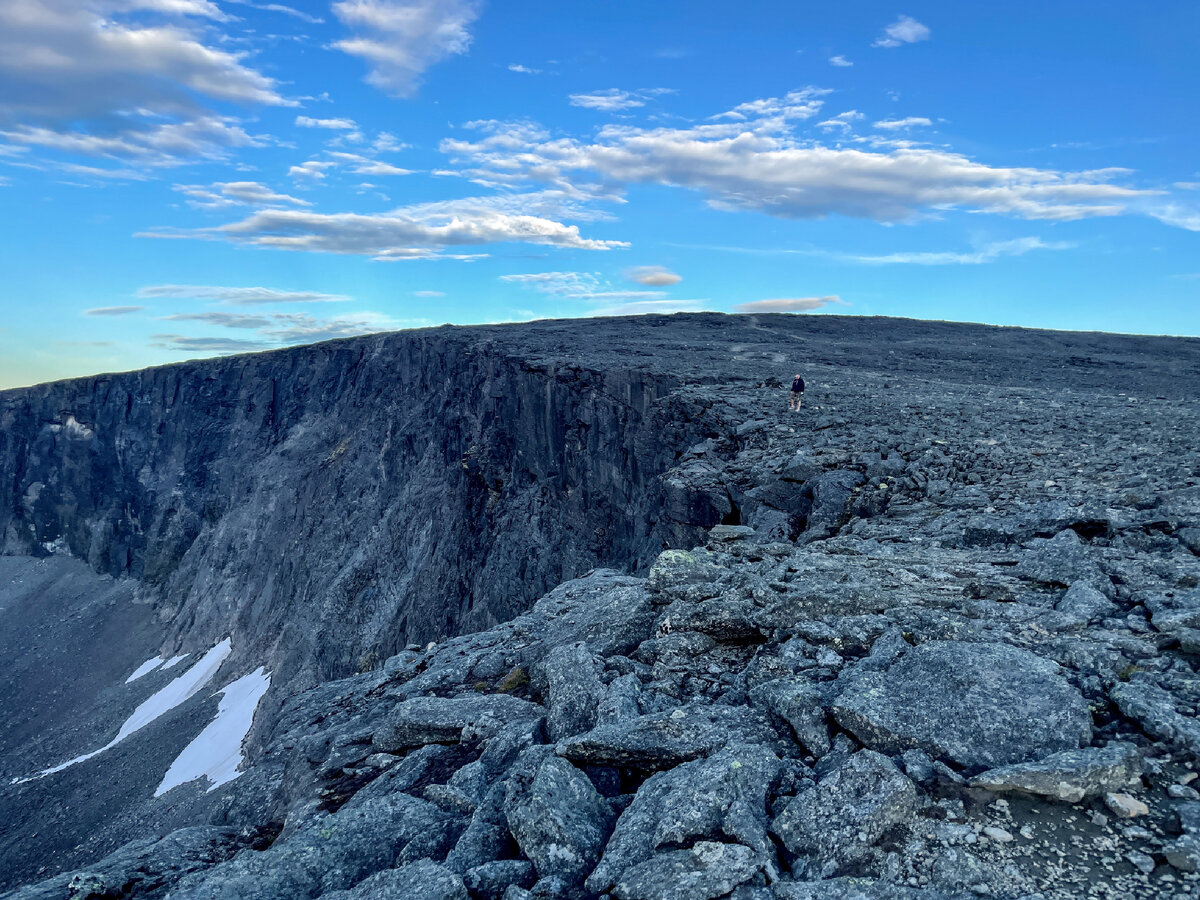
{"x": 184, "y": 178}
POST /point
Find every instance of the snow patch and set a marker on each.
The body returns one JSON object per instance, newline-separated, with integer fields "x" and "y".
{"x": 216, "y": 752}
{"x": 145, "y": 669}
{"x": 174, "y": 661}
{"x": 163, "y": 701}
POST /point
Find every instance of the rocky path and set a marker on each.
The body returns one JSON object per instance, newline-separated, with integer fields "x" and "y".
{"x": 942, "y": 641}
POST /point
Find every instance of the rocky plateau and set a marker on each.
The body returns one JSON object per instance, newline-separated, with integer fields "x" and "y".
{"x": 580, "y": 610}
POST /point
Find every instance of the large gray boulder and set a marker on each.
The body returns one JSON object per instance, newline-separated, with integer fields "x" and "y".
{"x": 978, "y": 705}
{"x": 574, "y": 690}
{"x": 1070, "y": 776}
{"x": 664, "y": 740}
{"x": 1062, "y": 560}
{"x": 142, "y": 867}
{"x": 800, "y": 703}
{"x": 722, "y": 798}
{"x": 558, "y": 819}
{"x": 420, "y": 880}
{"x": 704, "y": 871}
{"x": 838, "y": 820}
{"x": 1154, "y": 709}
{"x": 440, "y": 720}
{"x": 329, "y": 853}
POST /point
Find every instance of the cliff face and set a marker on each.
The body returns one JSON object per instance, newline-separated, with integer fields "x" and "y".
{"x": 333, "y": 503}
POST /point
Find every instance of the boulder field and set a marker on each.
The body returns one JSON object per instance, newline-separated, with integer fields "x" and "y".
{"x": 936, "y": 635}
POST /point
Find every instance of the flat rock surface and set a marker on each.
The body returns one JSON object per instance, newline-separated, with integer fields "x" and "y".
{"x": 978, "y": 705}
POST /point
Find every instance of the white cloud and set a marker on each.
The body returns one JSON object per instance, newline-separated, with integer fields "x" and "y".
{"x": 648, "y": 307}
{"x": 760, "y": 164}
{"x": 429, "y": 294}
{"x": 517, "y": 67}
{"x": 223, "y": 319}
{"x": 577, "y": 286}
{"x": 400, "y": 39}
{"x": 418, "y": 232}
{"x": 905, "y": 30}
{"x": 789, "y": 304}
{"x": 164, "y": 144}
{"x": 387, "y": 143}
{"x": 840, "y": 61}
{"x": 280, "y": 8}
{"x": 87, "y": 78}
{"x": 363, "y": 165}
{"x": 236, "y": 296}
{"x": 112, "y": 310}
{"x": 610, "y": 100}
{"x": 235, "y": 193}
{"x": 314, "y": 169}
{"x": 333, "y": 124}
{"x": 208, "y": 344}
{"x": 1177, "y": 214}
{"x": 842, "y": 120}
{"x": 801, "y": 104}
{"x": 654, "y": 276}
{"x": 988, "y": 253}
{"x": 908, "y": 122}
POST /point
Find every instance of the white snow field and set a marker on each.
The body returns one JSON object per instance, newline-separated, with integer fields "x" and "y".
{"x": 216, "y": 752}
{"x": 162, "y": 701}
{"x": 145, "y": 669}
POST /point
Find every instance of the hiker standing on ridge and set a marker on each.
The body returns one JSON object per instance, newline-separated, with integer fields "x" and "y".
{"x": 796, "y": 394}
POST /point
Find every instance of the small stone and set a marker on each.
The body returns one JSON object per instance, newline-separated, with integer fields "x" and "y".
{"x": 1124, "y": 806}
{"x": 1183, "y": 792}
{"x": 1143, "y": 862}
{"x": 1136, "y": 833}
{"x": 999, "y": 835}
{"x": 1184, "y": 853}
{"x": 1100, "y": 819}
{"x": 1026, "y": 832}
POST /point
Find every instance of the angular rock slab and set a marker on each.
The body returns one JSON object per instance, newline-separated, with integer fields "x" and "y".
{"x": 1154, "y": 709}
{"x": 723, "y": 797}
{"x": 705, "y": 871}
{"x": 440, "y": 720}
{"x": 664, "y": 740}
{"x": 558, "y": 819}
{"x": 799, "y": 702}
{"x": 839, "y": 819}
{"x": 979, "y": 705}
{"x": 1070, "y": 776}
{"x": 574, "y": 690}
{"x": 421, "y": 880}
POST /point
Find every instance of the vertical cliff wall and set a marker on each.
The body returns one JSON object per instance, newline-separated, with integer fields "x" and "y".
{"x": 331, "y": 503}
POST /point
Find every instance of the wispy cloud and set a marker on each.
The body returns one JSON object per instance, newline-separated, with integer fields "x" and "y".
{"x": 423, "y": 231}
{"x": 653, "y": 276}
{"x": 905, "y": 30}
{"x": 84, "y": 78}
{"x": 277, "y": 330}
{"x": 758, "y": 162}
{"x": 235, "y": 193}
{"x": 988, "y": 253}
{"x": 840, "y": 61}
{"x": 577, "y": 286}
{"x": 112, "y": 310}
{"x": 429, "y": 293}
{"x": 789, "y": 304}
{"x": 236, "y": 296}
{"x": 400, "y": 39}
{"x": 517, "y": 67}
{"x": 607, "y": 101}
{"x": 908, "y": 122}
{"x": 614, "y": 100}
{"x": 332, "y": 124}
